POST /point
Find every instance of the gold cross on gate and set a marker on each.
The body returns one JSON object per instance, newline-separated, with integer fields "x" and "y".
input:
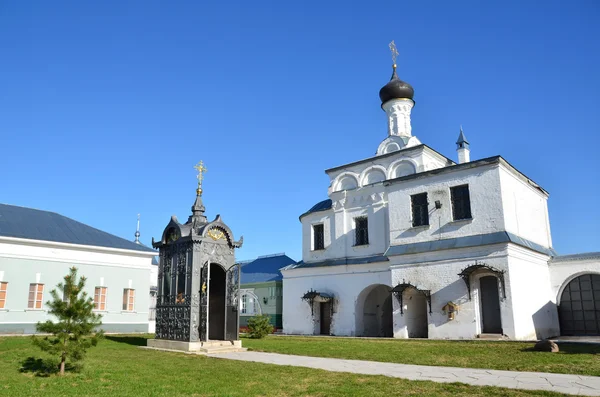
{"x": 394, "y": 51}
{"x": 201, "y": 170}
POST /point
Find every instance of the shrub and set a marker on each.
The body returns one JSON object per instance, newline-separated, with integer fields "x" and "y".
{"x": 259, "y": 326}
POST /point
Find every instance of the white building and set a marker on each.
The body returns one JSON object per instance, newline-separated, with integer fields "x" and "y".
{"x": 412, "y": 244}
{"x": 37, "y": 249}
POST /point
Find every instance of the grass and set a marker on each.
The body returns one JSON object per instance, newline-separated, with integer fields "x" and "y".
{"x": 581, "y": 359}
{"x": 118, "y": 367}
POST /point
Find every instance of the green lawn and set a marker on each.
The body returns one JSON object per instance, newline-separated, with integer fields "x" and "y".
{"x": 118, "y": 367}
{"x": 578, "y": 359}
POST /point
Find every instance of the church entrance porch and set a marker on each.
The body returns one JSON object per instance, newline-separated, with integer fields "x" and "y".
{"x": 579, "y": 308}
{"x": 216, "y": 303}
{"x": 374, "y": 312}
{"x": 490, "y": 305}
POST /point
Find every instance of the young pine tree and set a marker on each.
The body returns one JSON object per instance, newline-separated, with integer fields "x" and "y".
{"x": 75, "y": 329}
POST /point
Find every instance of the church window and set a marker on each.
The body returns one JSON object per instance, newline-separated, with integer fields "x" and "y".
{"x": 318, "y": 237}
{"x": 250, "y": 305}
{"x": 244, "y": 303}
{"x": 100, "y": 298}
{"x": 128, "y": 299}
{"x": 3, "y": 288}
{"x": 361, "y": 230}
{"x": 420, "y": 212}
{"x": 36, "y": 294}
{"x": 461, "y": 202}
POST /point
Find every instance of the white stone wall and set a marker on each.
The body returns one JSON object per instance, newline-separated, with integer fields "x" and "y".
{"x": 345, "y": 283}
{"x": 534, "y": 305}
{"x": 438, "y": 272}
{"x": 525, "y": 208}
{"x": 563, "y": 270}
{"x": 339, "y": 227}
{"x": 486, "y": 206}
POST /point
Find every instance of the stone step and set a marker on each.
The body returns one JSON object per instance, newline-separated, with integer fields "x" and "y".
{"x": 491, "y": 336}
{"x": 216, "y": 350}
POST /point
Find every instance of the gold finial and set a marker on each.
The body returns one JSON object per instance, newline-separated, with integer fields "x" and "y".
{"x": 394, "y": 51}
{"x": 201, "y": 170}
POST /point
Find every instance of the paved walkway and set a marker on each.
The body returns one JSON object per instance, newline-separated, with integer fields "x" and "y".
{"x": 569, "y": 384}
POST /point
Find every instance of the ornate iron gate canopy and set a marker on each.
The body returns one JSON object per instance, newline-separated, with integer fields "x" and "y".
{"x": 399, "y": 289}
{"x": 467, "y": 272}
{"x": 313, "y": 296}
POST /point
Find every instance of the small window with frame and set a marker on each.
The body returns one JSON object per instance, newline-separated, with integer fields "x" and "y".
{"x": 128, "y": 299}
{"x": 361, "y": 230}
{"x": 461, "y": 202}
{"x": 36, "y": 296}
{"x": 420, "y": 210}
{"x": 3, "y": 289}
{"x": 318, "y": 237}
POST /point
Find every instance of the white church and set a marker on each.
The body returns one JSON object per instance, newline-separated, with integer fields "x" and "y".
{"x": 411, "y": 244}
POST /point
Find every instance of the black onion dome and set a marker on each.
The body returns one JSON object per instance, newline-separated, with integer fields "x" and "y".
{"x": 396, "y": 89}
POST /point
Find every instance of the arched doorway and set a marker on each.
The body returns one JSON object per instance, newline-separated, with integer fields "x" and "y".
{"x": 374, "y": 312}
{"x": 415, "y": 313}
{"x": 216, "y": 303}
{"x": 491, "y": 322}
{"x": 579, "y": 302}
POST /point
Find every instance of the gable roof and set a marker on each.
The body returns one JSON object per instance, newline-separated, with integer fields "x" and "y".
{"x": 264, "y": 268}
{"x": 29, "y": 223}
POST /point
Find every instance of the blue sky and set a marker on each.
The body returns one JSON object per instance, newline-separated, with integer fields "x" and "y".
{"x": 105, "y": 107}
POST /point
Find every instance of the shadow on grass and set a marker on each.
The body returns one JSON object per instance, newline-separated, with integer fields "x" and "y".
{"x": 130, "y": 340}
{"x": 44, "y": 367}
{"x": 572, "y": 348}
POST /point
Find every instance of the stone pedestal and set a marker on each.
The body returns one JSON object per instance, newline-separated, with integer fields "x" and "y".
{"x": 213, "y": 346}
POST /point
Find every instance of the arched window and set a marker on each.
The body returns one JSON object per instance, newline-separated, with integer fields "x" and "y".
{"x": 391, "y": 147}
{"x": 374, "y": 176}
{"x": 347, "y": 183}
{"x": 249, "y": 304}
{"x": 403, "y": 168}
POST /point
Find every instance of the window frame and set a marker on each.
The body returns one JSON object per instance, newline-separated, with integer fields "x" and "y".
{"x": 3, "y": 290}
{"x": 361, "y": 236}
{"x": 128, "y": 300}
{"x": 100, "y": 299}
{"x": 244, "y": 303}
{"x": 459, "y": 200}
{"x": 419, "y": 211}
{"x": 38, "y": 296}
{"x": 322, "y": 239}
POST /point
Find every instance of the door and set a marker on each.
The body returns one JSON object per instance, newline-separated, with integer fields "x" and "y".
{"x": 579, "y": 309}
{"x": 216, "y": 303}
{"x": 490, "y": 305}
{"x": 232, "y": 316}
{"x": 325, "y": 318}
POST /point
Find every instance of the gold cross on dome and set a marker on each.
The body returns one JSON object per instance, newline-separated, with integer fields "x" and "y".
{"x": 201, "y": 170}
{"x": 394, "y": 51}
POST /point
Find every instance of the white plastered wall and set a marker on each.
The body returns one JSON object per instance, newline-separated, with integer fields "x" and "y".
{"x": 535, "y": 306}
{"x": 486, "y": 206}
{"x": 525, "y": 208}
{"x": 562, "y": 271}
{"x": 438, "y": 273}
{"x": 344, "y": 283}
